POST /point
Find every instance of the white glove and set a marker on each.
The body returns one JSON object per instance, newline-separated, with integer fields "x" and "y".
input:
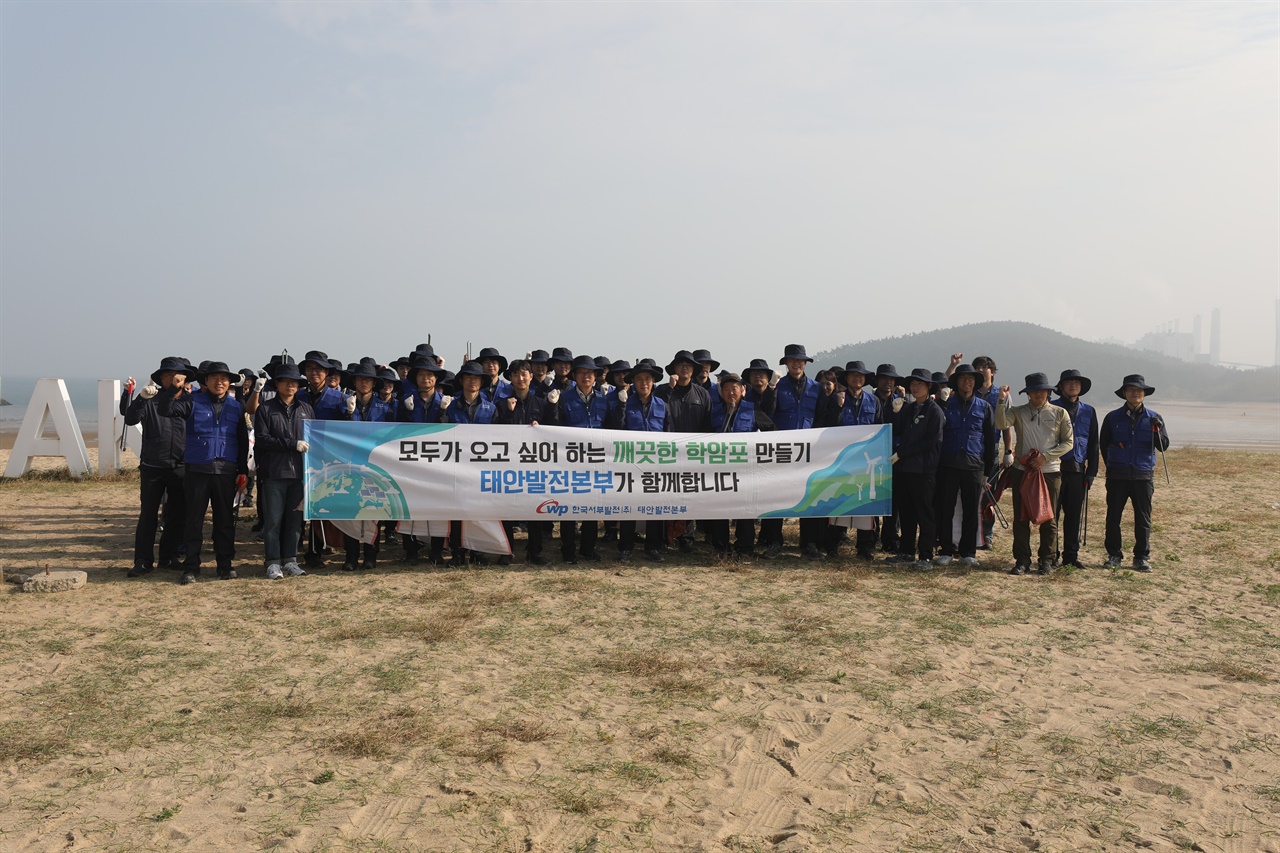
{"x": 897, "y": 405}
{"x": 351, "y": 404}
{"x": 549, "y": 379}
{"x": 945, "y": 393}
{"x": 553, "y": 396}
{"x": 149, "y": 390}
{"x": 1008, "y": 460}
{"x": 259, "y": 384}
{"x": 303, "y": 447}
{"x": 445, "y": 401}
{"x": 408, "y": 402}
{"x": 622, "y": 395}
{"x": 605, "y": 388}
{"x": 893, "y": 460}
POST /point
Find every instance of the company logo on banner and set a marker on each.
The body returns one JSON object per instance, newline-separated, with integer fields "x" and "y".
{"x": 460, "y": 472}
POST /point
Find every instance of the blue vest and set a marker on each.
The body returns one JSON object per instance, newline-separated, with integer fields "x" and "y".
{"x": 744, "y": 420}
{"x": 961, "y": 433}
{"x": 329, "y": 405}
{"x": 499, "y": 390}
{"x": 421, "y": 414}
{"x": 1079, "y": 428}
{"x": 457, "y": 412}
{"x": 865, "y": 413}
{"x": 635, "y": 419}
{"x": 1132, "y": 447}
{"x": 577, "y": 414}
{"x": 793, "y": 413}
{"x": 209, "y": 438}
{"x": 378, "y": 411}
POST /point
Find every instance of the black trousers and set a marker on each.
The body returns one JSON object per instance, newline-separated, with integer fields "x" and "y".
{"x": 156, "y": 483}
{"x": 654, "y": 535}
{"x": 744, "y": 532}
{"x": 1070, "y": 510}
{"x": 1139, "y": 493}
{"x": 889, "y": 528}
{"x": 569, "y": 539}
{"x": 965, "y": 485}
{"x": 913, "y": 495}
{"x": 864, "y": 540}
{"x": 353, "y": 548}
{"x": 813, "y": 531}
{"x": 202, "y": 491}
{"x": 771, "y": 531}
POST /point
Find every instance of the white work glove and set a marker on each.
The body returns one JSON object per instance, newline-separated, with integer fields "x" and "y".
{"x": 945, "y": 394}
{"x": 893, "y": 460}
{"x": 303, "y": 447}
{"x": 897, "y": 404}
{"x": 149, "y": 390}
{"x": 445, "y": 401}
{"x": 351, "y": 403}
{"x": 553, "y": 396}
{"x": 259, "y": 384}
{"x": 622, "y": 395}
{"x": 549, "y": 380}
{"x": 605, "y": 388}
{"x": 408, "y": 402}
{"x": 1008, "y": 460}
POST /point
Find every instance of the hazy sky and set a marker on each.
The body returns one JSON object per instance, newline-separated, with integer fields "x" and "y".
{"x": 224, "y": 180}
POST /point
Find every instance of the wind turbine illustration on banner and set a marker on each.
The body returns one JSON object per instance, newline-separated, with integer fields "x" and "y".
{"x": 871, "y": 473}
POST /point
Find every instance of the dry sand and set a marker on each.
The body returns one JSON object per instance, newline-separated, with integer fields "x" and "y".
{"x": 686, "y": 706}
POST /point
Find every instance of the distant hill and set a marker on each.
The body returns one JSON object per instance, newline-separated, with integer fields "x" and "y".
{"x": 1020, "y": 348}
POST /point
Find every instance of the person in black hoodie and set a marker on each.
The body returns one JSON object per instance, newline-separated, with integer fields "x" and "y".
{"x": 688, "y": 410}
{"x": 278, "y": 446}
{"x": 917, "y": 439}
{"x": 160, "y": 471}
{"x": 524, "y": 406}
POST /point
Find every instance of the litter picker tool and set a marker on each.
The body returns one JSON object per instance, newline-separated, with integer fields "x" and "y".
{"x": 1155, "y": 439}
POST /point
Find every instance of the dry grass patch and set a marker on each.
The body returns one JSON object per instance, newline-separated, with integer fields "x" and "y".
{"x": 384, "y": 735}
{"x": 524, "y": 731}
{"x": 784, "y": 666}
{"x": 439, "y": 627}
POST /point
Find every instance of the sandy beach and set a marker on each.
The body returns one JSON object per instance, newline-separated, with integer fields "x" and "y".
{"x": 692, "y": 705}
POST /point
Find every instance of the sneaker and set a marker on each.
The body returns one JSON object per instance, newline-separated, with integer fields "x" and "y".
{"x": 369, "y": 565}
{"x": 1020, "y": 569}
{"x": 1114, "y": 562}
{"x": 294, "y": 570}
{"x": 624, "y": 557}
{"x": 943, "y": 559}
{"x": 1073, "y": 564}
{"x": 811, "y": 552}
{"x": 348, "y": 566}
{"x": 227, "y": 574}
{"x": 773, "y": 551}
{"x": 655, "y": 556}
{"x": 902, "y": 558}
{"x": 970, "y": 562}
{"x": 1141, "y": 564}
{"x": 274, "y": 573}
{"x": 1045, "y": 566}
{"x": 922, "y": 565}
{"x": 138, "y": 571}
{"x": 187, "y": 577}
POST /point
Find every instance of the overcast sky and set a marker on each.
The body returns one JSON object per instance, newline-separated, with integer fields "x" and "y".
{"x": 224, "y": 180}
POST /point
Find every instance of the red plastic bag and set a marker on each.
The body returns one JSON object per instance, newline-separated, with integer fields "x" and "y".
{"x": 1034, "y": 494}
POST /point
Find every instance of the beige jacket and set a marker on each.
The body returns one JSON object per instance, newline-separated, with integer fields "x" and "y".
{"x": 1047, "y": 429}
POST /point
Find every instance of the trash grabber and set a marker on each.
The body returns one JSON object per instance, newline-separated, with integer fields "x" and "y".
{"x": 1155, "y": 439}
{"x": 1084, "y": 531}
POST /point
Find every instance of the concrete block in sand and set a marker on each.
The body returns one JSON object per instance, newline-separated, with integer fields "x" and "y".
{"x": 55, "y": 581}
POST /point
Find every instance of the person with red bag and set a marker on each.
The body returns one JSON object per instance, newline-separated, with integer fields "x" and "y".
{"x": 1042, "y": 435}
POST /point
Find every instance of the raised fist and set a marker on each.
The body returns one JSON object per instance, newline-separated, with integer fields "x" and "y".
{"x": 259, "y": 384}
{"x": 622, "y": 395}
{"x": 956, "y": 358}
{"x": 840, "y": 399}
{"x": 408, "y": 402}
{"x": 129, "y": 386}
{"x": 149, "y": 390}
{"x": 549, "y": 380}
{"x": 445, "y": 400}
{"x": 553, "y": 396}
{"x": 1004, "y": 393}
{"x": 897, "y": 404}
{"x": 351, "y": 404}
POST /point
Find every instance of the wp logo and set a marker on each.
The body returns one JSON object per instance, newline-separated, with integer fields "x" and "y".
{"x": 551, "y": 508}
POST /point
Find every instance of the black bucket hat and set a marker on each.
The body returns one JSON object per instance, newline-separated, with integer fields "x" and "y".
{"x": 561, "y": 354}
{"x": 318, "y": 358}
{"x": 1136, "y": 380}
{"x": 208, "y": 368}
{"x": 888, "y": 370}
{"x": 939, "y": 378}
{"x": 538, "y": 356}
{"x": 965, "y": 369}
{"x": 288, "y": 370}
{"x": 473, "y": 368}
{"x": 422, "y": 361}
{"x": 171, "y": 362}
{"x": 386, "y": 374}
{"x": 794, "y": 351}
{"x": 1037, "y": 382}
{"x": 583, "y": 362}
{"x": 365, "y": 368}
{"x": 683, "y": 356}
{"x": 645, "y": 365}
{"x": 922, "y": 374}
{"x": 492, "y": 352}
{"x": 603, "y": 363}
{"x": 1072, "y": 373}
{"x": 759, "y": 364}
{"x": 424, "y": 349}
{"x": 855, "y": 367}
{"x": 620, "y": 366}
{"x": 703, "y": 356}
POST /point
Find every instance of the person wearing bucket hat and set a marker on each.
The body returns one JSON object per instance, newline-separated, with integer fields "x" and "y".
{"x": 537, "y": 360}
{"x": 583, "y": 406}
{"x": 968, "y": 452}
{"x": 524, "y": 406}
{"x": 494, "y": 364}
{"x": 425, "y": 404}
{"x": 735, "y": 414}
{"x": 1080, "y": 465}
{"x": 688, "y": 410}
{"x": 160, "y": 471}
{"x": 1042, "y": 436}
{"x": 388, "y": 385}
{"x": 472, "y": 406}
{"x": 796, "y": 407}
{"x": 328, "y": 403}
{"x": 216, "y": 455}
{"x": 706, "y": 367}
{"x": 917, "y": 444}
{"x": 854, "y": 404}
{"x": 560, "y": 369}
{"x": 1129, "y": 440}
{"x": 641, "y": 410}
{"x": 365, "y": 404}
{"x": 279, "y": 447}
{"x": 759, "y": 377}
{"x": 892, "y": 397}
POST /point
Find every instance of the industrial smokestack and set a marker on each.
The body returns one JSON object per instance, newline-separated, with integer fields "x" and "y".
{"x": 1215, "y": 336}
{"x": 1195, "y": 329}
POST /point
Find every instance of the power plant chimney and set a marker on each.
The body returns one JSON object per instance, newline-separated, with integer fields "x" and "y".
{"x": 1215, "y": 336}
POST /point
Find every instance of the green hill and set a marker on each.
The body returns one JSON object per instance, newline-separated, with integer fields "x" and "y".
{"x": 1021, "y": 348}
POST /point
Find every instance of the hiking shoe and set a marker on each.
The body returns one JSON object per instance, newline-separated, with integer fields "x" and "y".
{"x": 866, "y": 556}
{"x": 943, "y": 559}
{"x": 535, "y": 559}
{"x": 811, "y": 552}
{"x": 293, "y": 570}
{"x": 313, "y": 560}
{"x": 138, "y": 571}
{"x": 369, "y": 565}
{"x": 1114, "y": 562}
{"x": 773, "y": 551}
{"x": 187, "y": 577}
{"x": 922, "y": 565}
{"x": 274, "y": 573}
{"x": 348, "y": 566}
{"x": 654, "y": 555}
{"x": 970, "y": 562}
{"x": 1020, "y": 569}
{"x": 1141, "y": 564}
{"x": 901, "y": 558}
{"x": 227, "y": 574}
{"x": 624, "y": 556}
{"x": 591, "y": 556}
{"x": 1045, "y": 566}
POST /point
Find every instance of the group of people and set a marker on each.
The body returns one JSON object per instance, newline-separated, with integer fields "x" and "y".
{"x": 957, "y": 436}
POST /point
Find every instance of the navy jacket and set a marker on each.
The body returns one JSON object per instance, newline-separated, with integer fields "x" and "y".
{"x": 531, "y": 408}
{"x": 917, "y": 438}
{"x": 277, "y": 429}
{"x": 688, "y": 408}
{"x": 797, "y": 403}
{"x": 163, "y": 440}
{"x": 968, "y": 435}
{"x": 1129, "y": 441}
{"x": 1084, "y": 426}
{"x": 217, "y": 437}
